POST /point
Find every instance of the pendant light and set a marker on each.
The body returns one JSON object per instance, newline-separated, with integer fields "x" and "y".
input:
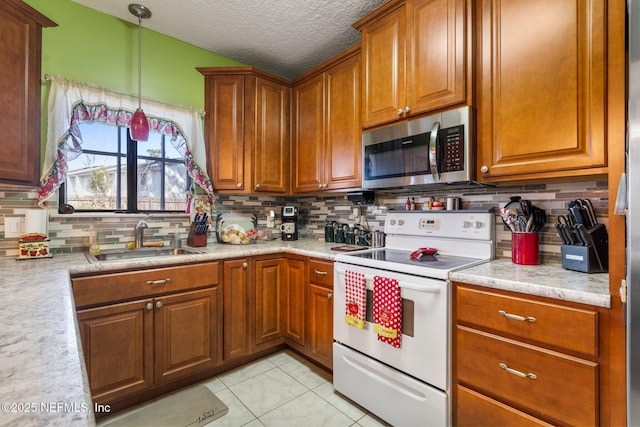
{"x": 139, "y": 126}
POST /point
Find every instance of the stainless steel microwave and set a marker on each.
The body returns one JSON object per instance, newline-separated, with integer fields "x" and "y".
{"x": 439, "y": 148}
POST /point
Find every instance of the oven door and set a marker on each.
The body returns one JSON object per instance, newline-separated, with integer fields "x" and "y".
{"x": 424, "y": 349}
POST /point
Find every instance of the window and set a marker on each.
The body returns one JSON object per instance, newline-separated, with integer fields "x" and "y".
{"x": 100, "y": 178}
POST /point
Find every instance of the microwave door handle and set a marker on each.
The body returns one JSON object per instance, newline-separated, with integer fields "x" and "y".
{"x": 433, "y": 157}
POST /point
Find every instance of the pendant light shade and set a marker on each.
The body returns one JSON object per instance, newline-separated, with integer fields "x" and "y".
{"x": 139, "y": 126}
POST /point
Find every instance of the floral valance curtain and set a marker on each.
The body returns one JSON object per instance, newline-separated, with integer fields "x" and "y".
{"x": 72, "y": 103}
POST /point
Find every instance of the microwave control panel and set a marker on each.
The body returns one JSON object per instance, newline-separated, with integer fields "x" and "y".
{"x": 452, "y": 143}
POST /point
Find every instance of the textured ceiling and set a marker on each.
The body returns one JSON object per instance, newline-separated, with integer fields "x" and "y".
{"x": 284, "y": 37}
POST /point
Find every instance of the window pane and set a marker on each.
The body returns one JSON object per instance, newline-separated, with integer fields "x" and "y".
{"x": 91, "y": 182}
{"x": 175, "y": 186}
{"x": 99, "y": 137}
{"x": 152, "y": 147}
{"x": 169, "y": 149}
{"x": 149, "y": 183}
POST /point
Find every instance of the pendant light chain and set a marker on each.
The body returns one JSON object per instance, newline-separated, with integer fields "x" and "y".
{"x": 139, "y": 125}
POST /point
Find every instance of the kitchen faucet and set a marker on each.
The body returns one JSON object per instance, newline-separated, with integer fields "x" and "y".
{"x": 139, "y": 232}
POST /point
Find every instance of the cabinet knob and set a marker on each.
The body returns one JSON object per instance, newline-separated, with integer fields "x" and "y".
{"x": 329, "y": 295}
{"x": 149, "y": 306}
{"x": 239, "y": 185}
{"x": 245, "y": 265}
{"x": 257, "y": 186}
{"x": 407, "y": 109}
{"x": 158, "y": 304}
{"x": 320, "y": 185}
{"x": 484, "y": 168}
{"x": 400, "y": 111}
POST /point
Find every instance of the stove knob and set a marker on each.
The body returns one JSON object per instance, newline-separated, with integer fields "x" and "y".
{"x": 392, "y": 222}
{"x": 401, "y": 222}
{"x": 467, "y": 224}
{"x": 479, "y": 224}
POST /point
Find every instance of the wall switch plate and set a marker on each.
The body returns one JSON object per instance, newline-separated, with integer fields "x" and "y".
{"x": 13, "y": 226}
{"x": 271, "y": 219}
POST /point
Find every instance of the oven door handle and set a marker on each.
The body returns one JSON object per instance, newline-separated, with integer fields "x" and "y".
{"x": 419, "y": 288}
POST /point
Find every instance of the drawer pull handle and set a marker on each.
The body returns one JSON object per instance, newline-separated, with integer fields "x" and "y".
{"x": 322, "y": 273}
{"x": 516, "y": 317}
{"x": 158, "y": 282}
{"x": 518, "y": 373}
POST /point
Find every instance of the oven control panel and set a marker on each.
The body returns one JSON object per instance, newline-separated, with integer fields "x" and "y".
{"x": 454, "y": 224}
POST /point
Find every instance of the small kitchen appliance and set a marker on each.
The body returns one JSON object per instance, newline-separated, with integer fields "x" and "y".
{"x": 436, "y": 149}
{"x": 289, "y": 226}
{"x": 408, "y": 381}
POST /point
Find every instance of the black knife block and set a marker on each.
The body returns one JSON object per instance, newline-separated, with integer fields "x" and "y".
{"x": 593, "y": 258}
{"x": 196, "y": 240}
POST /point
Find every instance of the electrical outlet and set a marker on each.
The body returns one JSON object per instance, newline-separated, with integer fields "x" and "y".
{"x": 13, "y": 226}
{"x": 271, "y": 219}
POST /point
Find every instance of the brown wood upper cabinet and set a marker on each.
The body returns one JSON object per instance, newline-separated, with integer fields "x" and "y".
{"x": 327, "y": 137}
{"x": 416, "y": 58}
{"x": 247, "y": 130}
{"x": 541, "y": 89}
{"x": 21, "y": 34}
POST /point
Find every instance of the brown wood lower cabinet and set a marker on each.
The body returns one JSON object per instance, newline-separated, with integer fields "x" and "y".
{"x": 319, "y": 343}
{"x": 522, "y": 360}
{"x": 133, "y": 346}
{"x": 270, "y": 282}
{"x": 145, "y": 332}
{"x": 117, "y": 342}
{"x": 143, "y": 329}
{"x": 236, "y": 308}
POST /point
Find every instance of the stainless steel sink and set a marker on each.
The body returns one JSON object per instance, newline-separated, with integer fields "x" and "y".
{"x": 126, "y": 254}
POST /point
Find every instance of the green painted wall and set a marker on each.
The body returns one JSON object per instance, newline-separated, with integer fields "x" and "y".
{"x": 90, "y": 46}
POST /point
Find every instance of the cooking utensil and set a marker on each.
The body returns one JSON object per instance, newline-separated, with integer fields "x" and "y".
{"x": 508, "y": 218}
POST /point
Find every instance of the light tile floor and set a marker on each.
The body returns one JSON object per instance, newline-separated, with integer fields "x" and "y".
{"x": 282, "y": 390}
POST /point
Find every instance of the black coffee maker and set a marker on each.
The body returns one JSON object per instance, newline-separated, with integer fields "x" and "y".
{"x": 289, "y": 226}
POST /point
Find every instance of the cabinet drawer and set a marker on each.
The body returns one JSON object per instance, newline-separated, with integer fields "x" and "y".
{"x": 107, "y": 288}
{"x": 475, "y": 409}
{"x": 321, "y": 273}
{"x": 545, "y": 383}
{"x": 564, "y": 327}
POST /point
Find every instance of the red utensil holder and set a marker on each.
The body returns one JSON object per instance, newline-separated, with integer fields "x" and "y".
{"x": 525, "y": 248}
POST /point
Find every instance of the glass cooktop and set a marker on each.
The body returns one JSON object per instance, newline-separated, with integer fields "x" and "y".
{"x": 437, "y": 261}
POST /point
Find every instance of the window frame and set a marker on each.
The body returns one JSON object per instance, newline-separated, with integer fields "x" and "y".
{"x": 131, "y": 162}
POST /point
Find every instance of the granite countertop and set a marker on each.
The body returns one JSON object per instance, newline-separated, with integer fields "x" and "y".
{"x": 547, "y": 280}
{"x": 44, "y": 381}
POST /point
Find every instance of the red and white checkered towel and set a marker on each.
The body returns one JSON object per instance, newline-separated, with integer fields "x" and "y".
{"x": 356, "y": 299}
{"x": 387, "y": 310}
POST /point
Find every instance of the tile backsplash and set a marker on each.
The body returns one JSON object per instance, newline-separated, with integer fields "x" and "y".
{"x": 72, "y": 233}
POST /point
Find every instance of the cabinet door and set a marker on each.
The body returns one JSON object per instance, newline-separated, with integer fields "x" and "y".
{"x": 224, "y": 99}
{"x": 343, "y": 132}
{"x": 186, "y": 333}
{"x": 236, "y": 309}
{"x": 269, "y": 283}
{"x": 436, "y": 54}
{"x": 271, "y": 146}
{"x": 20, "y": 51}
{"x": 117, "y": 342}
{"x": 308, "y": 142}
{"x": 320, "y": 324}
{"x": 541, "y": 89}
{"x": 294, "y": 310}
{"x": 383, "y": 55}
